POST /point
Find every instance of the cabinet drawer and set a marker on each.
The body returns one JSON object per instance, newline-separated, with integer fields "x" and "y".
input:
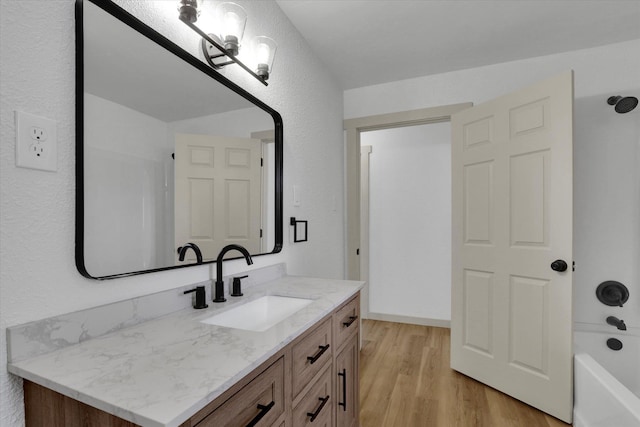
{"x": 346, "y": 320}
{"x": 309, "y": 356}
{"x": 317, "y": 404}
{"x": 261, "y": 400}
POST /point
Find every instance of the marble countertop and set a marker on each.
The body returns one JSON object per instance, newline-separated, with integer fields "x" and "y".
{"x": 162, "y": 371}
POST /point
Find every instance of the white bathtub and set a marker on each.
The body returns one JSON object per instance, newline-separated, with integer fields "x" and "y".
{"x": 607, "y": 382}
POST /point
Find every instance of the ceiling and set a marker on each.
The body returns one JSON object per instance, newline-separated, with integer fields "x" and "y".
{"x": 367, "y": 42}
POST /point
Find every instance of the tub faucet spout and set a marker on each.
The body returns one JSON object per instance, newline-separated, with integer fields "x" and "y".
{"x": 618, "y": 323}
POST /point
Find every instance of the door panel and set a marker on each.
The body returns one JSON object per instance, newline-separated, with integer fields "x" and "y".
{"x": 478, "y": 203}
{"x": 529, "y": 177}
{"x": 529, "y": 326}
{"x": 478, "y": 310}
{"x": 511, "y": 322}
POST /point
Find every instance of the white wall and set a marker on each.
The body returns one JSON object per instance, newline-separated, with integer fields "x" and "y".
{"x": 606, "y": 159}
{"x": 410, "y": 221}
{"x": 38, "y": 277}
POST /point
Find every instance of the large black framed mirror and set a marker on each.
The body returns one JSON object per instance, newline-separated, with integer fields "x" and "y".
{"x": 168, "y": 152}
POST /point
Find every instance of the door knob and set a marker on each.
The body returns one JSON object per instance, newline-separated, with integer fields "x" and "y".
{"x": 559, "y": 265}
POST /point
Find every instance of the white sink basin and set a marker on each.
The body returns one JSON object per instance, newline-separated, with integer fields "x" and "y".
{"x": 260, "y": 314}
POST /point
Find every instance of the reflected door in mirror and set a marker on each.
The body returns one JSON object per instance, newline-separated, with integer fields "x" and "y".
{"x": 218, "y": 183}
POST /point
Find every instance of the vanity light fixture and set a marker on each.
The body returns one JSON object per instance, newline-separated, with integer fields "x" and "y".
{"x": 223, "y": 48}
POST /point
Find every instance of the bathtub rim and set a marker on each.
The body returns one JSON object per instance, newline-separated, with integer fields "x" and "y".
{"x": 627, "y": 399}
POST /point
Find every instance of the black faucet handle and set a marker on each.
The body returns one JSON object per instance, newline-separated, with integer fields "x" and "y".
{"x": 237, "y": 286}
{"x": 201, "y": 296}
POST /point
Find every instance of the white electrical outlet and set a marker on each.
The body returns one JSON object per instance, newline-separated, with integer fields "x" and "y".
{"x": 37, "y": 133}
{"x": 36, "y": 144}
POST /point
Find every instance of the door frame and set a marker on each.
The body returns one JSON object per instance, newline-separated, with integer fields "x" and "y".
{"x": 266, "y": 137}
{"x": 353, "y": 128}
{"x": 365, "y": 161}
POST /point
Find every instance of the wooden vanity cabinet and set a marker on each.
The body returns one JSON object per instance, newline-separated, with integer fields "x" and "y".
{"x": 47, "y": 408}
{"x": 312, "y": 381}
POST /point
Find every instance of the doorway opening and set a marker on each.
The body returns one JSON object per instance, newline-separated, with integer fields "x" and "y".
{"x": 406, "y": 218}
{"x": 357, "y": 260}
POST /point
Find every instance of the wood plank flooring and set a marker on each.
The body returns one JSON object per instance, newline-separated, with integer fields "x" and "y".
{"x": 406, "y": 381}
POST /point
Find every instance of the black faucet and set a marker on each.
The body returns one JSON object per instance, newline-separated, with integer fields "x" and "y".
{"x": 219, "y": 294}
{"x": 182, "y": 250}
{"x": 618, "y": 323}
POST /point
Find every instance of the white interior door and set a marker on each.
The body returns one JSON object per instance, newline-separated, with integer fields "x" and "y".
{"x": 217, "y": 193}
{"x": 511, "y": 325}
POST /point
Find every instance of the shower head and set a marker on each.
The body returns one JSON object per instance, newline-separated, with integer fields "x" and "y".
{"x": 623, "y": 105}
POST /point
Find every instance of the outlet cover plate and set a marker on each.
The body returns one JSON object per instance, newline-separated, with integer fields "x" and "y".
{"x": 36, "y": 142}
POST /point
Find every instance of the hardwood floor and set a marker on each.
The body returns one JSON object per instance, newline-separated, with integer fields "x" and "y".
{"x": 406, "y": 381}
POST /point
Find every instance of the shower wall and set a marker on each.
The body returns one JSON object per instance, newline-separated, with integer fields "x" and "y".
{"x": 134, "y": 187}
{"x": 606, "y": 206}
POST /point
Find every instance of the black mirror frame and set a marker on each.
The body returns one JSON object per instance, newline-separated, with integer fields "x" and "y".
{"x": 133, "y": 22}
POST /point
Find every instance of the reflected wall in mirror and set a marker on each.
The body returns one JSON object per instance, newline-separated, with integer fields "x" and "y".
{"x": 169, "y": 152}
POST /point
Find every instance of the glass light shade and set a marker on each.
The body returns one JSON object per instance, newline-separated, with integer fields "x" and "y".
{"x": 232, "y": 19}
{"x": 190, "y": 9}
{"x": 264, "y": 52}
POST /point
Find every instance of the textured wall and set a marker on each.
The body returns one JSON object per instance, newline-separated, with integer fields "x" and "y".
{"x": 38, "y": 277}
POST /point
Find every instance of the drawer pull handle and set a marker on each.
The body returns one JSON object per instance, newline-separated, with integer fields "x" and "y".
{"x": 350, "y": 322}
{"x": 343, "y": 374}
{"x": 315, "y": 414}
{"x": 313, "y": 359}
{"x": 263, "y": 411}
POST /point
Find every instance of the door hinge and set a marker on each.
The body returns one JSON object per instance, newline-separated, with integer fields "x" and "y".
{"x": 261, "y": 233}
{"x": 573, "y": 266}
{"x": 358, "y": 251}
{"x": 261, "y": 162}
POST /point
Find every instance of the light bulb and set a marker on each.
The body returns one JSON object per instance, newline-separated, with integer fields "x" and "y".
{"x": 232, "y": 19}
{"x": 264, "y": 52}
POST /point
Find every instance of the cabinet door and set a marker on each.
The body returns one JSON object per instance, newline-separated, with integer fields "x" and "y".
{"x": 347, "y": 383}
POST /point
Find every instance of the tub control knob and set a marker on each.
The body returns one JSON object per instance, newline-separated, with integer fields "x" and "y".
{"x": 559, "y": 265}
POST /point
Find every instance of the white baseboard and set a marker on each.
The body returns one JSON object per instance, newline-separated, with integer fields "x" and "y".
{"x": 440, "y": 323}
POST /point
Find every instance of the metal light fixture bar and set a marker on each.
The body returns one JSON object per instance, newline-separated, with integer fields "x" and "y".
{"x": 223, "y": 50}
